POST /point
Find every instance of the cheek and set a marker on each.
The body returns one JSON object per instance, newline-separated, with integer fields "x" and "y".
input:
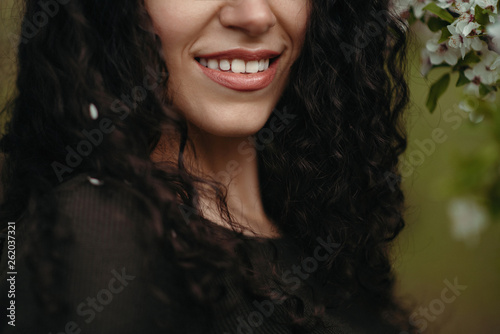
{"x": 172, "y": 24}
{"x": 170, "y": 34}
{"x": 297, "y": 17}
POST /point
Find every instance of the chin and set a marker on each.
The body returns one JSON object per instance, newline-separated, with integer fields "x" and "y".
{"x": 243, "y": 131}
{"x": 227, "y": 129}
{"x": 230, "y": 120}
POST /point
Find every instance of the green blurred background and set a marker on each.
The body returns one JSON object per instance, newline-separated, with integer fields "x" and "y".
{"x": 426, "y": 255}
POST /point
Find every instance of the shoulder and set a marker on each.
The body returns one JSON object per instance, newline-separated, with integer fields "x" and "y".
{"x": 84, "y": 191}
{"x": 107, "y": 204}
{"x": 104, "y": 217}
{"x": 98, "y": 236}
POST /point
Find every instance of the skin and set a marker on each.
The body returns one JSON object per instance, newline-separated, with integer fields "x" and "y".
{"x": 220, "y": 119}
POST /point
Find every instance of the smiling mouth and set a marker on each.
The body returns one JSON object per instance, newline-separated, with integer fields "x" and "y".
{"x": 239, "y": 66}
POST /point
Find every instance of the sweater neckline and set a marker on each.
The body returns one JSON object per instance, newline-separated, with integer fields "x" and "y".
{"x": 248, "y": 237}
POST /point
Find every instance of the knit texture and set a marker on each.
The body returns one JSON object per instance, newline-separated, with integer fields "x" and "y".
{"x": 107, "y": 289}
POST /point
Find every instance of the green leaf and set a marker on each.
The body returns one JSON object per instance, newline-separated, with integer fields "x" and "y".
{"x": 445, "y": 34}
{"x": 470, "y": 58}
{"x": 441, "y": 65}
{"x": 462, "y": 79}
{"x": 435, "y": 24}
{"x": 440, "y": 12}
{"x": 412, "y": 18}
{"x": 494, "y": 199}
{"x": 437, "y": 89}
{"x": 480, "y": 16}
{"x": 488, "y": 11}
{"x": 485, "y": 89}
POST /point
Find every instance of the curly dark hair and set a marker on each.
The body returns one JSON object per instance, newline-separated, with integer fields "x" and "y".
{"x": 331, "y": 172}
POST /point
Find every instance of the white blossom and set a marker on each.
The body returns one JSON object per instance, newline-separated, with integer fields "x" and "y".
{"x": 464, "y": 6}
{"x": 466, "y": 35}
{"x": 425, "y": 62}
{"x": 477, "y": 75}
{"x": 418, "y": 7}
{"x": 491, "y": 5}
{"x": 465, "y": 24}
{"x": 486, "y": 72}
{"x": 490, "y": 58}
{"x": 494, "y": 31}
{"x": 401, "y": 6}
{"x": 457, "y": 6}
{"x": 468, "y": 105}
{"x": 488, "y": 4}
{"x": 445, "y": 4}
{"x": 464, "y": 43}
{"x": 441, "y": 52}
{"x": 468, "y": 219}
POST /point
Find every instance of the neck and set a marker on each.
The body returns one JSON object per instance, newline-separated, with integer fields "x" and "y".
{"x": 232, "y": 161}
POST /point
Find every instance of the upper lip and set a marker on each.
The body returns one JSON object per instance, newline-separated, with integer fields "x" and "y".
{"x": 243, "y": 54}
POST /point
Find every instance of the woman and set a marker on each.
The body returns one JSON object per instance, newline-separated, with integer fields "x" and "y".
{"x": 204, "y": 166}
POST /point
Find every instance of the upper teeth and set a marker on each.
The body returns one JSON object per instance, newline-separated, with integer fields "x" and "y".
{"x": 236, "y": 65}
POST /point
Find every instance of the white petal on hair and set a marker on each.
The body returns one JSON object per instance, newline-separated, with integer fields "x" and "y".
{"x": 94, "y": 181}
{"x": 94, "y": 114}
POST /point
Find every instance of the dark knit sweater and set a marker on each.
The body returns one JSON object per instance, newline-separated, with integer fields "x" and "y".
{"x": 107, "y": 289}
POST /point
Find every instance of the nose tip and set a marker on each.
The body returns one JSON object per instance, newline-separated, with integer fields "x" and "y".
{"x": 254, "y": 17}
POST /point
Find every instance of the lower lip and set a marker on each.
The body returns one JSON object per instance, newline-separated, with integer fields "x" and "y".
{"x": 242, "y": 82}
